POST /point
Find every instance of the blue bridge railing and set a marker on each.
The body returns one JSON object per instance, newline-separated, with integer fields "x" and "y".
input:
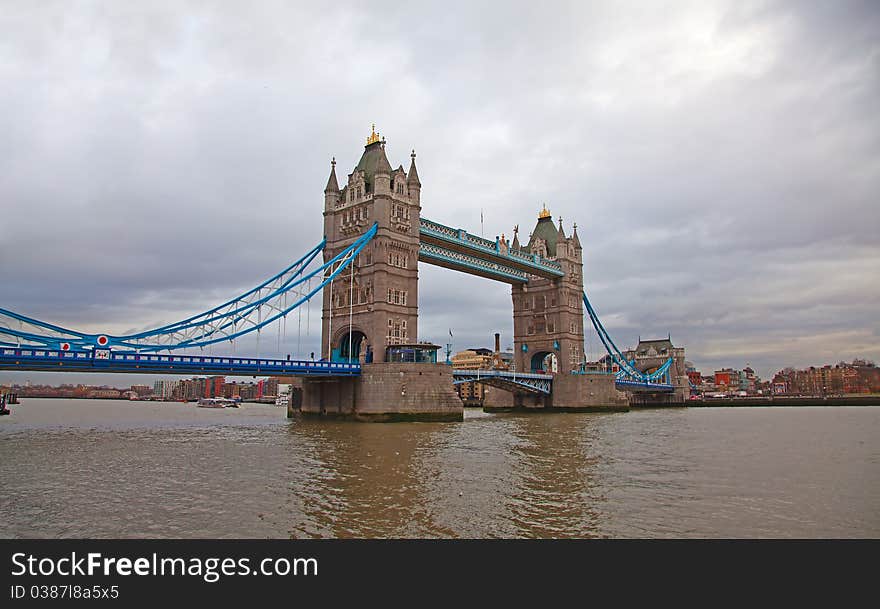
{"x": 479, "y": 245}
{"x": 100, "y": 360}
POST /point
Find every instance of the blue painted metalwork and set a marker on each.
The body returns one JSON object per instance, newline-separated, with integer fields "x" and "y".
{"x": 629, "y": 376}
{"x": 235, "y": 318}
{"x": 470, "y": 264}
{"x": 105, "y": 360}
{"x": 439, "y": 235}
{"x": 643, "y": 386}
{"x": 534, "y": 383}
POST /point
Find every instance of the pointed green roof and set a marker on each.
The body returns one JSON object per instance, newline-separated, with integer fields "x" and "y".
{"x": 546, "y": 231}
{"x": 373, "y": 161}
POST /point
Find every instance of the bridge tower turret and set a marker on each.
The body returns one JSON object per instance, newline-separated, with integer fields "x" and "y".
{"x": 380, "y": 291}
{"x": 548, "y": 330}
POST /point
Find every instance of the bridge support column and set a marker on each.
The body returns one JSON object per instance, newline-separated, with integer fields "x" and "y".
{"x": 587, "y": 393}
{"x": 385, "y": 392}
{"x": 682, "y": 391}
{"x": 571, "y": 393}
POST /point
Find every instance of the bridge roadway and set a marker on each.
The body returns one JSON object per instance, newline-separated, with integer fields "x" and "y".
{"x": 543, "y": 383}
{"x": 102, "y": 360}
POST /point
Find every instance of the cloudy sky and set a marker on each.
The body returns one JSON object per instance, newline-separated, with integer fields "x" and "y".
{"x": 721, "y": 159}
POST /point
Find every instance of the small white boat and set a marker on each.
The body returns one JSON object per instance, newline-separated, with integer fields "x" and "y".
{"x": 217, "y": 403}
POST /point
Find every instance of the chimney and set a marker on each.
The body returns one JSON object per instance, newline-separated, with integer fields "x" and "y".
{"x": 497, "y": 342}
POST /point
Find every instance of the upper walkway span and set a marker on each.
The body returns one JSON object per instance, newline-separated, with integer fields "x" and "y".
{"x": 457, "y": 249}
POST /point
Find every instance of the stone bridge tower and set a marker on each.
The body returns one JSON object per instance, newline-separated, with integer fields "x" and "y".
{"x": 380, "y": 291}
{"x": 548, "y": 330}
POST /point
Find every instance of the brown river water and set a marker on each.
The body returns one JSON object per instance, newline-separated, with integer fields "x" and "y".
{"x": 96, "y": 468}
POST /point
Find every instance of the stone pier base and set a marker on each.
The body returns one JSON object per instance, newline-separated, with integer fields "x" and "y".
{"x": 571, "y": 393}
{"x": 385, "y": 392}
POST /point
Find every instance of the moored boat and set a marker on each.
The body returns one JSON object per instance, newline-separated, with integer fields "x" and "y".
{"x": 217, "y": 403}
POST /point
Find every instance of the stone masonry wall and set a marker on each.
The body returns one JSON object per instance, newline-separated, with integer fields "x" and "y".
{"x": 386, "y": 392}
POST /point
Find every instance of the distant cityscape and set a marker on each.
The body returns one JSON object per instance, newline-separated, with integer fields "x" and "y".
{"x": 857, "y": 377}
{"x": 182, "y": 390}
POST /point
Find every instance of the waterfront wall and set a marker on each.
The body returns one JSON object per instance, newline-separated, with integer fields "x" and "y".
{"x": 842, "y": 400}
{"x": 385, "y": 392}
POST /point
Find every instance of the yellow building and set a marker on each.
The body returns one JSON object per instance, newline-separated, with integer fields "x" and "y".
{"x": 472, "y": 359}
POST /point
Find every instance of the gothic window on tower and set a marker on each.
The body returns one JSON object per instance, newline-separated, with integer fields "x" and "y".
{"x": 359, "y": 192}
{"x": 398, "y": 260}
{"x": 551, "y": 327}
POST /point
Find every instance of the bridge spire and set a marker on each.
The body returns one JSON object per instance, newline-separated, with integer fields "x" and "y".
{"x": 413, "y": 176}
{"x": 332, "y": 183}
{"x": 561, "y": 232}
{"x": 544, "y": 213}
{"x": 373, "y": 137}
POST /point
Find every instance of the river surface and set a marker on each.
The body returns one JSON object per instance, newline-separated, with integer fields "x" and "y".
{"x": 96, "y": 468}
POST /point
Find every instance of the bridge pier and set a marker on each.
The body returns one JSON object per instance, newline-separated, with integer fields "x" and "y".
{"x": 385, "y": 392}
{"x": 571, "y": 393}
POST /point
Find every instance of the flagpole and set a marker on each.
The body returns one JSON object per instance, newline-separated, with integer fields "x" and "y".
{"x": 449, "y": 346}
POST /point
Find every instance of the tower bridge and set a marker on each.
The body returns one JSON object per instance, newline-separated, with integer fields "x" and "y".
{"x": 372, "y": 364}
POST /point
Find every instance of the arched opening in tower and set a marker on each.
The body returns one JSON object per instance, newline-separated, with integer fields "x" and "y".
{"x": 545, "y": 361}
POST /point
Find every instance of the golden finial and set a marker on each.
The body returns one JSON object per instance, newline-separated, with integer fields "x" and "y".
{"x": 374, "y": 137}
{"x": 544, "y": 213}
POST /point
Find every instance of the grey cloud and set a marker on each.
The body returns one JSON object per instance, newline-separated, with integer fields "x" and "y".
{"x": 720, "y": 158}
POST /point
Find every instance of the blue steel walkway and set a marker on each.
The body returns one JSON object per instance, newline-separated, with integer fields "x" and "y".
{"x": 457, "y": 249}
{"x": 504, "y": 379}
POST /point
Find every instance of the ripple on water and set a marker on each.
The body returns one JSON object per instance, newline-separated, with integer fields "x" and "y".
{"x": 98, "y": 469}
